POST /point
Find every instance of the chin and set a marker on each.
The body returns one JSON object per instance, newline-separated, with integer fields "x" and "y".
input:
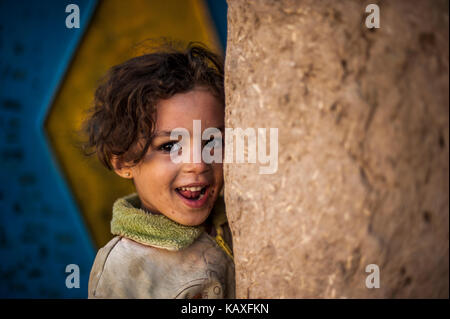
{"x": 194, "y": 221}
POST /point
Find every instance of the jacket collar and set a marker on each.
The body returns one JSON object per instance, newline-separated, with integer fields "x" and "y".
{"x": 156, "y": 230}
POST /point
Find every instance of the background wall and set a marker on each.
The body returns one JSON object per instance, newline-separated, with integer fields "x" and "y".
{"x": 362, "y": 118}
{"x": 363, "y": 141}
{"x": 56, "y": 204}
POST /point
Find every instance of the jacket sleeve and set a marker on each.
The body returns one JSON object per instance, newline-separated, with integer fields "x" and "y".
{"x": 98, "y": 267}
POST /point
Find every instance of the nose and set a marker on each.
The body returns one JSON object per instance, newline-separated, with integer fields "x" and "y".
{"x": 196, "y": 164}
{"x": 196, "y": 168}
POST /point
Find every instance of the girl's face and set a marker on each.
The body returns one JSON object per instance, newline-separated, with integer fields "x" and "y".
{"x": 184, "y": 192}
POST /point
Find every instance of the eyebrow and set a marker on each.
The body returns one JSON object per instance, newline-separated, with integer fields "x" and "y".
{"x": 167, "y": 133}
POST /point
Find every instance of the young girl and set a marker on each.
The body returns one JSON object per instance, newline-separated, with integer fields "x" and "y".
{"x": 172, "y": 238}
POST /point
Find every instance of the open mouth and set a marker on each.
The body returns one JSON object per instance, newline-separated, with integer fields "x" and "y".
{"x": 193, "y": 196}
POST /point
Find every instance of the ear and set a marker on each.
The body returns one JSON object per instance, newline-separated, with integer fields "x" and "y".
{"x": 120, "y": 169}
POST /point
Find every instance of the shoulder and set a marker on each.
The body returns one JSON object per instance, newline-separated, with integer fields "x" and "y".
{"x": 99, "y": 264}
{"x": 124, "y": 268}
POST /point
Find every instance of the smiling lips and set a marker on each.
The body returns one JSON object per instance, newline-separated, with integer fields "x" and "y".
{"x": 194, "y": 196}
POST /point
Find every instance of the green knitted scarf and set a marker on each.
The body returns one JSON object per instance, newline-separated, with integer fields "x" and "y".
{"x": 130, "y": 221}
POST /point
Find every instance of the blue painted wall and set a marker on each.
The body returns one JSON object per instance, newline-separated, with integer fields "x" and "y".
{"x": 41, "y": 230}
{"x": 218, "y": 11}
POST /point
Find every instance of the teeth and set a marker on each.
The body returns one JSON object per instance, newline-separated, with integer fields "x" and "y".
{"x": 192, "y": 189}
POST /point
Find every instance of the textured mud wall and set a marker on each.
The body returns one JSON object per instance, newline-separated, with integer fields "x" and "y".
{"x": 362, "y": 118}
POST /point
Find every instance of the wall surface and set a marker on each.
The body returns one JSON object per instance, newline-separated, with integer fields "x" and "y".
{"x": 363, "y": 165}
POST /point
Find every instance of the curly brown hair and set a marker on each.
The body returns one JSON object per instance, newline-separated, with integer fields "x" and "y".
{"x": 122, "y": 119}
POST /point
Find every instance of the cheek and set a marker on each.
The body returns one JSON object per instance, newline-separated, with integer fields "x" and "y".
{"x": 157, "y": 174}
{"x": 218, "y": 174}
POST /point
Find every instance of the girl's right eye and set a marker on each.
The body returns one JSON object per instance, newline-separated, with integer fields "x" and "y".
{"x": 169, "y": 147}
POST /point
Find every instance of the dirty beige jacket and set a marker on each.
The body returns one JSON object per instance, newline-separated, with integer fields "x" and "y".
{"x": 141, "y": 263}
